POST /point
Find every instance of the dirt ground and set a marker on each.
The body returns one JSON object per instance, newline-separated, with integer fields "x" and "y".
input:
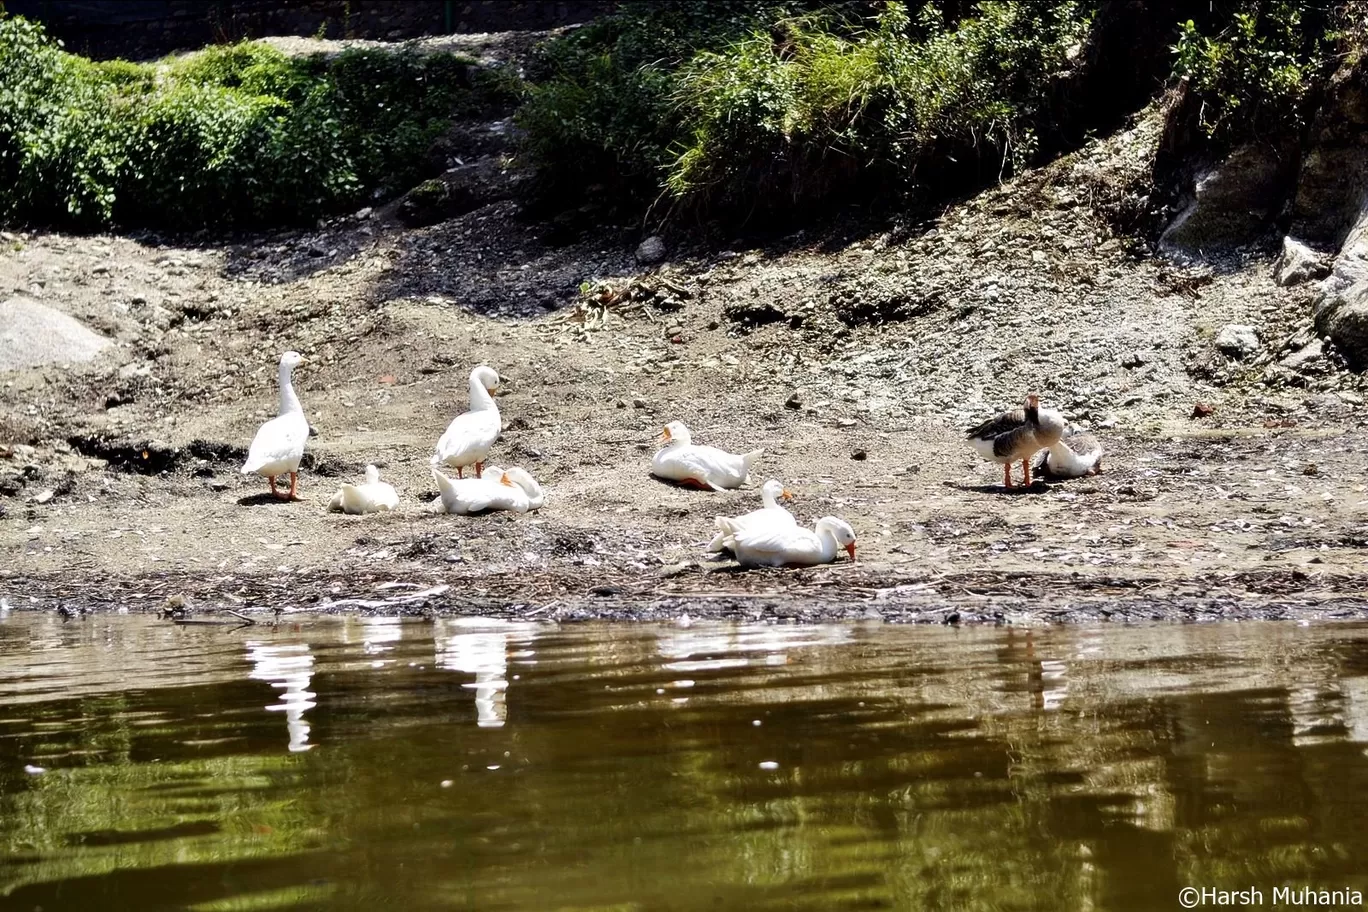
{"x": 854, "y": 357}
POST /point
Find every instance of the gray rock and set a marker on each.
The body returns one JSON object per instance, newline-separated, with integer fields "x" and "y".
{"x": 1299, "y": 263}
{"x": 1341, "y": 313}
{"x": 1308, "y": 355}
{"x": 33, "y": 334}
{"x": 1238, "y": 341}
{"x": 650, "y": 251}
{"x": 1233, "y": 203}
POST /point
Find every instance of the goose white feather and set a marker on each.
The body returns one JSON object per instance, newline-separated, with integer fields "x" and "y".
{"x": 372, "y": 497}
{"x": 504, "y": 489}
{"x": 680, "y": 459}
{"x": 471, "y": 435}
{"x": 771, "y": 512}
{"x": 774, "y": 545}
{"x": 1072, "y": 456}
{"x": 278, "y": 445}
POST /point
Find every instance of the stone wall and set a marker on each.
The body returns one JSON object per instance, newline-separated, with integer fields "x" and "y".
{"x": 141, "y": 29}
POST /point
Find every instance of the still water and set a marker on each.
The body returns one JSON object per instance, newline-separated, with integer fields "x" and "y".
{"x": 373, "y": 763}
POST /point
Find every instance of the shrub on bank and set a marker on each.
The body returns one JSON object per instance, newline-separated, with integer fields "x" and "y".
{"x": 238, "y": 135}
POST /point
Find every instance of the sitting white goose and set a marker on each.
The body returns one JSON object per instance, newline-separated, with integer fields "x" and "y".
{"x": 775, "y": 545}
{"x": 1074, "y": 455}
{"x": 471, "y": 435}
{"x": 705, "y": 467}
{"x": 278, "y": 445}
{"x": 514, "y": 489}
{"x": 371, "y": 497}
{"x": 1017, "y": 435}
{"x": 771, "y": 512}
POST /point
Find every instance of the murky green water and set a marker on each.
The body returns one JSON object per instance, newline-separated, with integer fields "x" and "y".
{"x": 368, "y": 764}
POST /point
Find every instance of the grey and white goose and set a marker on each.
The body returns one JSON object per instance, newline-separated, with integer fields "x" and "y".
{"x": 1017, "y": 436}
{"x": 1074, "y": 455}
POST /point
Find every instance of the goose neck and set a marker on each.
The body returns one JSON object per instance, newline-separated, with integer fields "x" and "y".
{"x": 289, "y": 402}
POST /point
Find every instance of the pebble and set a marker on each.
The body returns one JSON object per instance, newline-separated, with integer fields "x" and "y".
{"x": 846, "y": 422}
{"x": 44, "y": 497}
{"x": 639, "y": 403}
{"x": 794, "y": 401}
{"x": 859, "y": 455}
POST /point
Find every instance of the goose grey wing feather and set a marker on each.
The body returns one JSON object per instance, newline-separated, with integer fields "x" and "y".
{"x": 998, "y": 425}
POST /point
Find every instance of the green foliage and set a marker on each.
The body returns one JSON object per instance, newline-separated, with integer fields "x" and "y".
{"x": 232, "y": 136}
{"x": 787, "y": 105}
{"x": 1253, "y": 76}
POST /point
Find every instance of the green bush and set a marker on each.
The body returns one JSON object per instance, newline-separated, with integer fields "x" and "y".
{"x": 237, "y": 135}
{"x": 792, "y": 105}
{"x": 1253, "y": 75}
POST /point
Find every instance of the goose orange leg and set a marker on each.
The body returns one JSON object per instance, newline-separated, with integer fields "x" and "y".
{"x": 459, "y": 471}
{"x": 479, "y": 470}
{"x": 271, "y": 479}
{"x": 1007, "y": 475}
{"x": 294, "y": 486}
{"x": 1026, "y": 468}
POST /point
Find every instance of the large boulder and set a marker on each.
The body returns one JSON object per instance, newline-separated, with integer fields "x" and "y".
{"x": 1299, "y": 263}
{"x": 1233, "y": 202}
{"x": 33, "y": 334}
{"x": 1333, "y": 179}
{"x": 1342, "y": 311}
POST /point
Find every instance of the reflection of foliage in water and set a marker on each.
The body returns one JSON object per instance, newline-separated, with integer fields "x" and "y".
{"x": 916, "y": 769}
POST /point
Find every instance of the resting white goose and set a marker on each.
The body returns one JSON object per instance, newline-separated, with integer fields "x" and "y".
{"x": 512, "y": 489}
{"x": 371, "y": 497}
{"x": 705, "y": 467}
{"x": 774, "y": 545}
{"x": 1072, "y": 456}
{"x": 1017, "y": 435}
{"x": 470, "y": 436}
{"x": 278, "y": 445}
{"x": 771, "y": 512}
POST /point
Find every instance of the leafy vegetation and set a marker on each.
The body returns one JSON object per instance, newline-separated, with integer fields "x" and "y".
{"x": 235, "y": 135}
{"x": 1253, "y": 71}
{"x": 768, "y": 108}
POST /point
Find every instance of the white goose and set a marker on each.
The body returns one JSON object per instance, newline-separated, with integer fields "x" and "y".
{"x": 771, "y": 512}
{"x": 702, "y": 466}
{"x": 278, "y": 445}
{"x": 774, "y": 545}
{"x": 371, "y": 497}
{"x": 471, "y": 435}
{"x": 514, "y": 490}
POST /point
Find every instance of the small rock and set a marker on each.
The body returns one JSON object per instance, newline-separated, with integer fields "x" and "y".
{"x": 1202, "y": 410}
{"x": 621, "y": 403}
{"x": 218, "y": 484}
{"x": 45, "y": 497}
{"x": 1298, "y": 263}
{"x": 859, "y": 455}
{"x": 672, "y": 570}
{"x": 794, "y": 401}
{"x": 651, "y": 250}
{"x": 364, "y": 213}
{"x": 1238, "y": 341}
{"x": 1307, "y": 355}
{"x": 1311, "y": 469}
{"x": 1135, "y": 359}
{"x": 1350, "y": 397}
{"x": 846, "y": 422}
{"x": 639, "y": 403}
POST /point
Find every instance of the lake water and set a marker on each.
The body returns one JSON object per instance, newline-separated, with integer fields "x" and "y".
{"x": 464, "y": 764}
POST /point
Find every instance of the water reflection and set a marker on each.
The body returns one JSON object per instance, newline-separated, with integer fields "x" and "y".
{"x": 482, "y": 647}
{"x": 290, "y": 668}
{"x": 685, "y": 767}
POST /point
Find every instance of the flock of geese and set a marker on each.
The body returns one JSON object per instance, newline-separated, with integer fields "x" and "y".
{"x": 767, "y": 537}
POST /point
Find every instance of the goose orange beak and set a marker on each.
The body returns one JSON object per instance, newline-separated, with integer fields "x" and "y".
{"x": 505, "y": 480}
{"x": 665, "y": 435}
{"x": 850, "y": 549}
{"x": 786, "y": 494}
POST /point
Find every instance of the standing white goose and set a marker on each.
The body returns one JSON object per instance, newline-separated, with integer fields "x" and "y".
{"x": 771, "y": 512}
{"x": 371, "y": 497}
{"x": 514, "y": 489}
{"x": 278, "y": 445}
{"x": 1017, "y": 435}
{"x": 680, "y": 459}
{"x": 774, "y": 545}
{"x": 471, "y": 435}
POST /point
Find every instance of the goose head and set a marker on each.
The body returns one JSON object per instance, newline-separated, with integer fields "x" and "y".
{"x": 676, "y": 433}
{"x": 774, "y": 491}
{"x": 519, "y": 478}
{"x": 1032, "y": 408}
{"x": 372, "y": 474}
{"x": 839, "y": 530}
{"x": 290, "y": 360}
{"x": 485, "y": 376}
